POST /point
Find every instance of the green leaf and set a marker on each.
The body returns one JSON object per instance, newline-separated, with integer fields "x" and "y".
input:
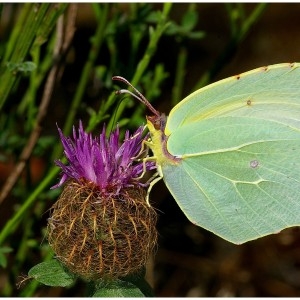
{"x": 3, "y": 251}
{"x": 189, "y": 20}
{"x": 196, "y": 35}
{"x": 27, "y": 66}
{"x": 51, "y": 273}
{"x": 138, "y": 279}
{"x": 118, "y": 288}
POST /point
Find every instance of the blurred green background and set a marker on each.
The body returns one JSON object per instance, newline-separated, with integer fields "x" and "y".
{"x": 57, "y": 61}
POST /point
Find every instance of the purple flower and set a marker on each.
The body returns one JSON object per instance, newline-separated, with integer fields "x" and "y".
{"x": 104, "y": 161}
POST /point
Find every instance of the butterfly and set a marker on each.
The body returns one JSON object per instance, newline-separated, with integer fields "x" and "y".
{"x": 229, "y": 153}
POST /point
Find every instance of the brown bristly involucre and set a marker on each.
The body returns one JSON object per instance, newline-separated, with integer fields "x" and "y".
{"x": 96, "y": 237}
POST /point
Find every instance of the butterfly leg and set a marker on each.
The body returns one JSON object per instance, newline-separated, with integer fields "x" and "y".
{"x": 153, "y": 180}
{"x": 145, "y": 147}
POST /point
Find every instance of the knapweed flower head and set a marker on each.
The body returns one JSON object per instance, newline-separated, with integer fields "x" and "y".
{"x": 101, "y": 227}
{"x": 103, "y": 160}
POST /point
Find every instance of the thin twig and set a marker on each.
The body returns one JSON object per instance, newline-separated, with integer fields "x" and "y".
{"x": 69, "y": 31}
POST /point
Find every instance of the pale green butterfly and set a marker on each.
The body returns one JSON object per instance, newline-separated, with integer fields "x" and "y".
{"x": 230, "y": 152}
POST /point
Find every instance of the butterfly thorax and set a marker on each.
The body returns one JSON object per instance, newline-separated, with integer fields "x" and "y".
{"x": 158, "y": 143}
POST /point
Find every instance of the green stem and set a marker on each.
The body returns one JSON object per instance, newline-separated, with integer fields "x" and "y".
{"x": 96, "y": 43}
{"x": 38, "y": 75}
{"x": 17, "y": 36}
{"x": 155, "y": 35}
{"x": 12, "y": 223}
{"x": 153, "y": 43}
{"x": 179, "y": 76}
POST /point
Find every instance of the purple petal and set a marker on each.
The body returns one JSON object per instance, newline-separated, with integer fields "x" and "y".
{"x": 102, "y": 160}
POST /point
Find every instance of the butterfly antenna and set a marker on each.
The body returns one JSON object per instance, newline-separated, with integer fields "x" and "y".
{"x": 139, "y": 96}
